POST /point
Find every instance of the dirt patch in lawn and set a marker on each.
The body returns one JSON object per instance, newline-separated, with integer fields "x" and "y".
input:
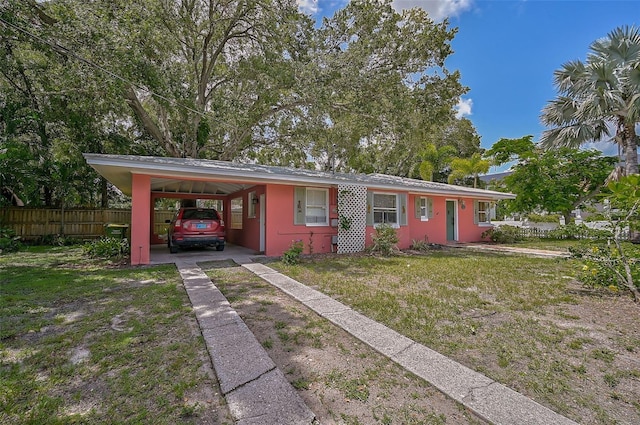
{"x": 342, "y": 380}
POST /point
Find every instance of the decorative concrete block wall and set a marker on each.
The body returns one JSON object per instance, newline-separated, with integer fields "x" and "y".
{"x": 352, "y": 218}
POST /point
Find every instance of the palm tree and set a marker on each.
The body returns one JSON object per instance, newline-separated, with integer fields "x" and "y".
{"x": 465, "y": 167}
{"x": 598, "y": 96}
{"x": 435, "y": 160}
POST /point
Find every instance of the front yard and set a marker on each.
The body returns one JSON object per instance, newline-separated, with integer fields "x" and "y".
{"x": 85, "y": 342}
{"x": 522, "y": 321}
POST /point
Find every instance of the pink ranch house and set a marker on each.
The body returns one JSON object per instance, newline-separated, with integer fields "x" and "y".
{"x": 267, "y": 208}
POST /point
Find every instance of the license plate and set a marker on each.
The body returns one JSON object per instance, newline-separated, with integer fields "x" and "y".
{"x": 201, "y": 225}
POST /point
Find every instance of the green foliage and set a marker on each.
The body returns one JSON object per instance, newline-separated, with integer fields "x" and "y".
{"x": 421, "y": 245}
{"x": 543, "y": 218}
{"x": 557, "y": 181}
{"x": 508, "y": 150}
{"x": 9, "y": 242}
{"x": 578, "y": 231}
{"x": 290, "y": 94}
{"x": 435, "y": 161}
{"x": 292, "y": 255}
{"x": 616, "y": 264}
{"x": 108, "y": 248}
{"x": 55, "y": 240}
{"x": 604, "y": 265}
{"x": 345, "y": 222}
{"x": 468, "y": 167}
{"x": 385, "y": 240}
{"x": 503, "y": 234}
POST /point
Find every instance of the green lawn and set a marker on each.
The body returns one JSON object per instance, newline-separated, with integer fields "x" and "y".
{"x": 83, "y": 342}
{"x": 522, "y": 321}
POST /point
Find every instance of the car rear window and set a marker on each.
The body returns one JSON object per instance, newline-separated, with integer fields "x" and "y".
{"x": 200, "y": 215}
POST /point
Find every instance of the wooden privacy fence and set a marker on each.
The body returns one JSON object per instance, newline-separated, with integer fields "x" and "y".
{"x": 34, "y": 223}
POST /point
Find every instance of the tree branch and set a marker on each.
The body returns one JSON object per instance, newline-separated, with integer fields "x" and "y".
{"x": 149, "y": 125}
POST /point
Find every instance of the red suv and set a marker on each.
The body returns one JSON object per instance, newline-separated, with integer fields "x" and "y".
{"x": 196, "y": 227}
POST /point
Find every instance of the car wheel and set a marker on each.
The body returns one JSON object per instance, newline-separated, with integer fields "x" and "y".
{"x": 220, "y": 248}
{"x": 172, "y": 248}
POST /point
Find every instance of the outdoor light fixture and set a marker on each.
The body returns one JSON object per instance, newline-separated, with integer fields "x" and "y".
{"x": 255, "y": 200}
{"x": 463, "y": 205}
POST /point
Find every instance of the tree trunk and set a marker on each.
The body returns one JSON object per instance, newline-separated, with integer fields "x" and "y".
{"x": 104, "y": 192}
{"x": 630, "y": 149}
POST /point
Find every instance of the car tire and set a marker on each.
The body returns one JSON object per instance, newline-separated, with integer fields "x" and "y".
{"x": 172, "y": 248}
{"x": 220, "y": 248}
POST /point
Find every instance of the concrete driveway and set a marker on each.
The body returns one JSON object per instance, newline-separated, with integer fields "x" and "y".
{"x": 160, "y": 254}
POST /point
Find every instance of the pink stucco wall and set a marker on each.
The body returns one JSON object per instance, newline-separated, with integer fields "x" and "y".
{"x": 249, "y": 235}
{"x": 281, "y": 231}
{"x": 468, "y": 230}
{"x": 435, "y": 229}
{"x": 140, "y": 219}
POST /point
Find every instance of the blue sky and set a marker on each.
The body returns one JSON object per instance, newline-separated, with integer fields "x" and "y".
{"x": 507, "y": 51}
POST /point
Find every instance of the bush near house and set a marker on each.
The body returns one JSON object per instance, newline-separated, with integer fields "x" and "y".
{"x": 9, "y": 242}
{"x": 503, "y": 234}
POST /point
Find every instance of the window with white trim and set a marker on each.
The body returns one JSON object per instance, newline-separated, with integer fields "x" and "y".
{"x": 317, "y": 207}
{"x": 483, "y": 212}
{"x": 385, "y": 209}
{"x": 425, "y": 206}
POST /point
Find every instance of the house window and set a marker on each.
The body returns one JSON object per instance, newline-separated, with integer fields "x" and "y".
{"x": 317, "y": 207}
{"x": 236, "y": 213}
{"x": 483, "y": 212}
{"x": 424, "y": 208}
{"x": 385, "y": 209}
{"x": 251, "y": 208}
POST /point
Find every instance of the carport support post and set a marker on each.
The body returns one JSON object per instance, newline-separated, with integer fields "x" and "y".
{"x": 140, "y": 219}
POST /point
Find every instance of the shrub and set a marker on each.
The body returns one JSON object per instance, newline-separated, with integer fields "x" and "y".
{"x": 578, "y": 231}
{"x": 616, "y": 263}
{"x": 503, "y": 234}
{"x": 107, "y": 248}
{"x": 9, "y": 242}
{"x": 544, "y": 218}
{"x": 292, "y": 255}
{"x": 604, "y": 266}
{"x": 56, "y": 240}
{"x": 384, "y": 240}
{"x": 422, "y": 245}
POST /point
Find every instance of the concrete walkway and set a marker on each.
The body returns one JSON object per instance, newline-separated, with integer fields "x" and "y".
{"x": 485, "y": 397}
{"x": 258, "y": 393}
{"x": 513, "y": 250}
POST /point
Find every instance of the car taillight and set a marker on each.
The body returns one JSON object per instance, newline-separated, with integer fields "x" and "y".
{"x": 221, "y": 223}
{"x": 177, "y": 224}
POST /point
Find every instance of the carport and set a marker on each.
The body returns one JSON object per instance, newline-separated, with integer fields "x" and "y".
{"x": 146, "y": 179}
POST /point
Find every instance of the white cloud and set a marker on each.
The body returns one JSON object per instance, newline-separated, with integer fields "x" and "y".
{"x": 308, "y": 6}
{"x": 463, "y": 108}
{"x": 607, "y": 148}
{"x": 437, "y": 9}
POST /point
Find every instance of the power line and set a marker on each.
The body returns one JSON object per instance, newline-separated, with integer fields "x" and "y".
{"x": 60, "y": 49}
